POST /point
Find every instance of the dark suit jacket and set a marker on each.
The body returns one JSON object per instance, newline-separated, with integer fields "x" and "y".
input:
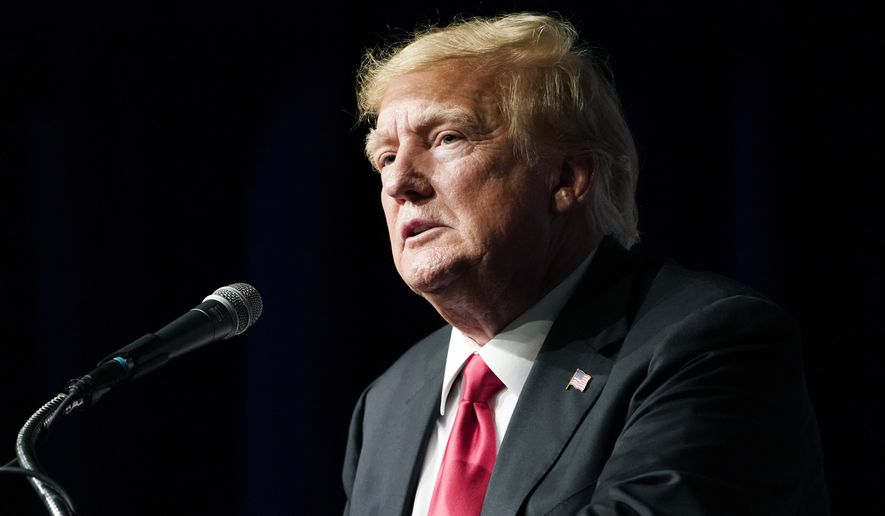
{"x": 697, "y": 405}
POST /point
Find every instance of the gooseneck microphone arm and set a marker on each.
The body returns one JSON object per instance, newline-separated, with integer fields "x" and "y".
{"x": 226, "y": 312}
{"x": 57, "y": 502}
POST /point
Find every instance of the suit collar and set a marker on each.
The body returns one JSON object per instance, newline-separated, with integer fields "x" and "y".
{"x": 547, "y": 414}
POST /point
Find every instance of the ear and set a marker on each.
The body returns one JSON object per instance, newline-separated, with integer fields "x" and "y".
{"x": 577, "y": 175}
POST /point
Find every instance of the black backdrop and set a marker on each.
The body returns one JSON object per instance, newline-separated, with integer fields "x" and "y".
{"x": 153, "y": 152}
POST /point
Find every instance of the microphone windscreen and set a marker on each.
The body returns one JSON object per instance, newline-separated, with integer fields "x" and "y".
{"x": 246, "y": 302}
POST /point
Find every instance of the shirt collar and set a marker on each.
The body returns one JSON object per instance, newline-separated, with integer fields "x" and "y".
{"x": 511, "y": 353}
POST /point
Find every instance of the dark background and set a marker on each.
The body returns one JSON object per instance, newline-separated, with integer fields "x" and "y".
{"x": 151, "y": 153}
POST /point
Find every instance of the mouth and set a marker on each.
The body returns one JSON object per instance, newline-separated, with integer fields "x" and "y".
{"x": 417, "y": 227}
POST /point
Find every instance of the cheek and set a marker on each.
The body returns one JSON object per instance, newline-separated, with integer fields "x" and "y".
{"x": 507, "y": 211}
{"x": 390, "y": 208}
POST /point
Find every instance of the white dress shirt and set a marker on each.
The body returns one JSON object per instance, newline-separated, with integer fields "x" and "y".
{"x": 510, "y": 355}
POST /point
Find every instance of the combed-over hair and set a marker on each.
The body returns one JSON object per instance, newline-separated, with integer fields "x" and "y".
{"x": 551, "y": 93}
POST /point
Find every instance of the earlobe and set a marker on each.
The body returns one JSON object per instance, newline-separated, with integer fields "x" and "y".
{"x": 576, "y": 177}
{"x": 563, "y": 201}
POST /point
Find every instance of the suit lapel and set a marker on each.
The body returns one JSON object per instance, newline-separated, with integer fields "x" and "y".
{"x": 399, "y": 470}
{"x": 547, "y": 414}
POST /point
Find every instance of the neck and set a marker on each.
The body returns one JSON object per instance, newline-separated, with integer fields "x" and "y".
{"x": 481, "y": 306}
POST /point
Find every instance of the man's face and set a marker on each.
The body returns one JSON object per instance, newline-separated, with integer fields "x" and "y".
{"x": 462, "y": 210}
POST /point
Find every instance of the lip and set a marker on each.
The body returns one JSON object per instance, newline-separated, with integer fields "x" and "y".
{"x": 420, "y": 225}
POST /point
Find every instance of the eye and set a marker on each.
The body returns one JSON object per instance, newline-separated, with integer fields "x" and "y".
{"x": 385, "y": 160}
{"x": 449, "y": 138}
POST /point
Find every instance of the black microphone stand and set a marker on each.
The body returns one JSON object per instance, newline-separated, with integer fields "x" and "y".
{"x": 51, "y": 494}
{"x": 226, "y": 312}
{"x": 81, "y": 393}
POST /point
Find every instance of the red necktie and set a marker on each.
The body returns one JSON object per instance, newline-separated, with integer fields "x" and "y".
{"x": 470, "y": 453}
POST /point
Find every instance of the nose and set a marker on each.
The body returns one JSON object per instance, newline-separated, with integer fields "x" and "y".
{"x": 407, "y": 178}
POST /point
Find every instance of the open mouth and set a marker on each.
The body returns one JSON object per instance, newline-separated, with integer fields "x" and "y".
{"x": 421, "y": 228}
{"x": 417, "y": 228}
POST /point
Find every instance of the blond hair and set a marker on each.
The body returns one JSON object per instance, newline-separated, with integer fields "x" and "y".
{"x": 550, "y": 92}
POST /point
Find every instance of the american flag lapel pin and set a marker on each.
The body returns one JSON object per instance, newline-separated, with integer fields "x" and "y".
{"x": 579, "y": 380}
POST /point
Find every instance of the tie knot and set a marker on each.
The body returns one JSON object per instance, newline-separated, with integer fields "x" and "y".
{"x": 480, "y": 383}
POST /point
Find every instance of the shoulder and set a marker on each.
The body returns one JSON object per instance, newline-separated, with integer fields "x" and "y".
{"x": 682, "y": 313}
{"x": 682, "y": 290}
{"x": 675, "y": 292}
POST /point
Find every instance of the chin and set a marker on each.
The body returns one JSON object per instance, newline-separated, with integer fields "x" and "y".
{"x": 430, "y": 278}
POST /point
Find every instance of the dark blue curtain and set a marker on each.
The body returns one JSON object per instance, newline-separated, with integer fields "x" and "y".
{"x": 151, "y": 153}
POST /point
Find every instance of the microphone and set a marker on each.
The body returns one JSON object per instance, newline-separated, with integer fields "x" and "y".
{"x": 228, "y": 311}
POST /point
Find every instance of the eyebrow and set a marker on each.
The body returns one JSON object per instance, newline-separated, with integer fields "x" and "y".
{"x": 471, "y": 123}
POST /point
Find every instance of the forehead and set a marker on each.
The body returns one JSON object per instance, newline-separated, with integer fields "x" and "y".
{"x": 418, "y": 100}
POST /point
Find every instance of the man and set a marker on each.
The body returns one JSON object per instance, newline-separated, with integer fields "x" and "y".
{"x": 571, "y": 379}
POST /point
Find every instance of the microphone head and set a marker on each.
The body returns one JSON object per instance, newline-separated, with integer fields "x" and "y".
{"x": 246, "y": 302}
